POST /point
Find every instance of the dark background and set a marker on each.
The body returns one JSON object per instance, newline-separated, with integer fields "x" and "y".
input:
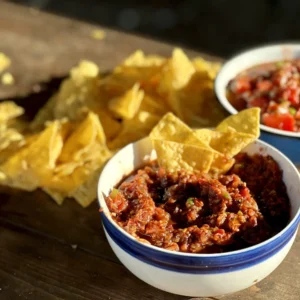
{"x": 220, "y": 27}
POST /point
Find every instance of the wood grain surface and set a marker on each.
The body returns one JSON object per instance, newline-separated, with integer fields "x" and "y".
{"x": 52, "y": 252}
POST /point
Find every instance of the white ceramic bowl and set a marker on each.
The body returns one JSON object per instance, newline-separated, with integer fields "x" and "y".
{"x": 196, "y": 275}
{"x": 285, "y": 141}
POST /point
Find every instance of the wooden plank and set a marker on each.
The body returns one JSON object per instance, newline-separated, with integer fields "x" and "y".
{"x": 35, "y": 266}
{"x": 43, "y": 46}
{"x": 70, "y": 224}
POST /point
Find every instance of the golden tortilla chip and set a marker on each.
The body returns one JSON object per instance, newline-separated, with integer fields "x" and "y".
{"x": 205, "y": 135}
{"x": 86, "y": 193}
{"x": 7, "y": 79}
{"x": 10, "y": 136}
{"x": 175, "y": 156}
{"x": 221, "y": 164}
{"x": 171, "y": 128}
{"x": 5, "y": 62}
{"x": 196, "y": 103}
{"x": 177, "y": 72}
{"x": 139, "y": 59}
{"x": 9, "y": 110}
{"x": 85, "y": 69}
{"x": 208, "y": 69}
{"x": 134, "y": 129}
{"x": 98, "y": 34}
{"x": 82, "y": 138}
{"x": 127, "y": 105}
{"x": 77, "y": 93}
{"x": 33, "y": 165}
{"x": 246, "y": 121}
{"x": 80, "y": 91}
{"x": 231, "y": 142}
{"x": 154, "y": 105}
{"x": 67, "y": 184}
{"x": 178, "y": 146}
{"x": 110, "y": 125}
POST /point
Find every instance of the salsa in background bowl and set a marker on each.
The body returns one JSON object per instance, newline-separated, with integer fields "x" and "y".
{"x": 266, "y": 77}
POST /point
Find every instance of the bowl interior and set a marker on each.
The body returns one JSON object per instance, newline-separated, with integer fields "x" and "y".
{"x": 137, "y": 154}
{"x": 249, "y": 59}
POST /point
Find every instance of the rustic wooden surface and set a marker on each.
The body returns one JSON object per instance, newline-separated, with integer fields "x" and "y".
{"x": 52, "y": 252}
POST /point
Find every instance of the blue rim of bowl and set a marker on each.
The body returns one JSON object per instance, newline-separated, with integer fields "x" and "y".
{"x": 196, "y": 263}
{"x": 227, "y": 105}
{"x": 291, "y": 227}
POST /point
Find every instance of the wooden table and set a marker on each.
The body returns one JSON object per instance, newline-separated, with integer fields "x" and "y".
{"x": 52, "y": 252}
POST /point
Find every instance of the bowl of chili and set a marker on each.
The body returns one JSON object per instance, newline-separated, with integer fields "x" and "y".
{"x": 267, "y": 77}
{"x": 150, "y": 232}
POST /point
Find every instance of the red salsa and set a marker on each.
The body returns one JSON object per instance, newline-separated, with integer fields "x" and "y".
{"x": 200, "y": 214}
{"x": 275, "y": 88}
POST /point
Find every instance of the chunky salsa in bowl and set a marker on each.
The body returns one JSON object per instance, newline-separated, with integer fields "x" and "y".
{"x": 275, "y": 88}
{"x": 197, "y": 213}
{"x": 266, "y": 77}
{"x": 189, "y": 206}
{"x": 175, "y": 244}
{"x": 202, "y": 194}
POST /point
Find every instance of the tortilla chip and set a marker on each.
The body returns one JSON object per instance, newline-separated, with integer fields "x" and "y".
{"x": 86, "y": 193}
{"x": 196, "y": 103}
{"x": 110, "y": 125}
{"x": 85, "y": 69}
{"x": 175, "y": 156}
{"x": 221, "y": 164}
{"x": 5, "y": 62}
{"x": 81, "y": 90}
{"x": 208, "y": 69}
{"x": 10, "y": 136}
{"x": 231, "y": 142}
{"x": 134, "y": 129}
{"x": 82, "y": 138}
{"x": 177, "y": 72}
{"x": 246, "y": 121}
{"x": 139, "y": 59}
{"x": 33, "y": 165}
{"x": 9, "y": 110}
{"x": 127, "y": 105}
{"x": 154, "y": 105}
{"x": 68, "y": 184}
{"x": 202, "y": 150}
{"x": 98, "y": 34}
{"x": 7, "y": 79}
{"x": 171, "y": 128}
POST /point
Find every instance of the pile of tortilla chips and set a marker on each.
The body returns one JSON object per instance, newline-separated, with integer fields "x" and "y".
{"x": 204, "y": 150}
{"x": 64, "y": 148}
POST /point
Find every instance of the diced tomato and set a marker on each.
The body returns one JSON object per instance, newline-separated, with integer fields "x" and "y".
{"x": 279, "y": 79}
{"x": 291, "y": 95}
{"x": 264, "y": 85}
{"x": 241, "y": 85}
{"x": 279, "y": 121}
{"x": 259, "y": 102}
{"x": 294, "y": 96}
